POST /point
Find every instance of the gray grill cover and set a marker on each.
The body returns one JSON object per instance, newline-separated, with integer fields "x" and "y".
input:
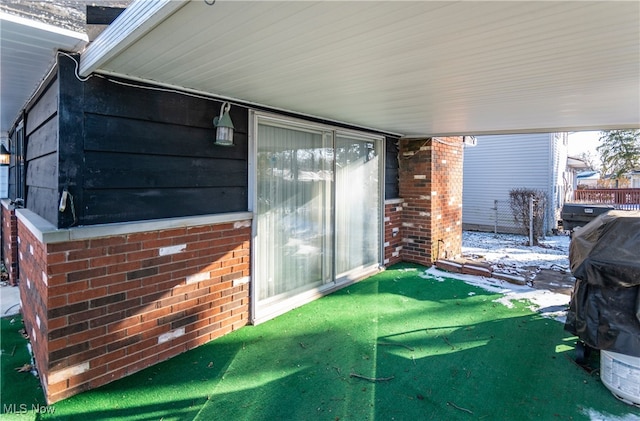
{"x": 605, "y": 305}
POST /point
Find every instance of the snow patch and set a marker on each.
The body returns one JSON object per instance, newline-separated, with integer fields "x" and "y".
{"x": 509, "y": 253}
{"x": 595, "y": 415}
{"x": 547, "y": 303}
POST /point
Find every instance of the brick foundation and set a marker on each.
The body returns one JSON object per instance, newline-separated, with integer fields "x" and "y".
{"x": 10, "y": 241}
{"x": 101, "y": 307}
{"x": 430, "y": 173}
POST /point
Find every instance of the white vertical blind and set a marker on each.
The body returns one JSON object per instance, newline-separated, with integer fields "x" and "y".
{"x": 357, "y": 204}
{"x": 318, "y": 211}
{"x": 294, "y": 235}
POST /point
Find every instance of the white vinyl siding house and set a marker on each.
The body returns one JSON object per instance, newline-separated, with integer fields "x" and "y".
{"x": 500, "y": 163}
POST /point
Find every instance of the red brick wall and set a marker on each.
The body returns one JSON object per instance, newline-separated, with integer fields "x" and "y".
{"x": 10, "y": 241}
{"x": 111, "y": 306}
{"x": 393, "y": 231}
{"x": 34, "y": 292}
{"x": 446, "y": 198}
{"x": 414, "y": 174}
{"x": 430, "y": 182}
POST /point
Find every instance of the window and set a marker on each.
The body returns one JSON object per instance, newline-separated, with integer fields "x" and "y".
{"x": 17, "y": 176}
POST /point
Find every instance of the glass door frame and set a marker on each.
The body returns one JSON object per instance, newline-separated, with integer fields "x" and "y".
{"x": 255, "y": 118}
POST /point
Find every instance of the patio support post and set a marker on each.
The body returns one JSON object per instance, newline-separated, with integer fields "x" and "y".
{"x": 430, "y": 180}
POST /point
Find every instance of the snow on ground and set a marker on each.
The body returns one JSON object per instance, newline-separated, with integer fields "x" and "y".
{"x": 549, "y": 304}
{"x": 510, "y": 254}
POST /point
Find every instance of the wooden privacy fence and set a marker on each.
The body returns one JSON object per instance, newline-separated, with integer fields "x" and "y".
{"x": 619, "y": 198}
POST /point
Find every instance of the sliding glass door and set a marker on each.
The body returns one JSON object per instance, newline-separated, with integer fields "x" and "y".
{"x": 357, "y": 204}
{"x": 317, "y": 211}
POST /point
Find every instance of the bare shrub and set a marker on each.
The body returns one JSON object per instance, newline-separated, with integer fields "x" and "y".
{"x": 519, "y": 201}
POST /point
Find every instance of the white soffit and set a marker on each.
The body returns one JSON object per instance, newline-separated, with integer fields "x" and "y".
{"x": 416, "y": 68}
{"x": 27, "y": 53}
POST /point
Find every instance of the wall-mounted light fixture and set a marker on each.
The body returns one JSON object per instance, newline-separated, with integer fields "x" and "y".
{"x": 5, "y": 156}
{"x": 224, "y": 126}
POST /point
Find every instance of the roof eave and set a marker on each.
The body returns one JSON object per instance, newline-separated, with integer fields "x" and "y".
{"x": 136, "y": 21}
{"x": 37, "y": 43}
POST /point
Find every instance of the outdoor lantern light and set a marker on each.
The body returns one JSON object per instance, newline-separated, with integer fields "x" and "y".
{"x": 224, "y": 126}
{"x": 5, "y": 156}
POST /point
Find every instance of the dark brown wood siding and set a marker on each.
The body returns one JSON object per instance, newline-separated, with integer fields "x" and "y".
{"x": 41, "y": 153}
{"x": 133, "y": 153}
{"x": 391, "y": 190}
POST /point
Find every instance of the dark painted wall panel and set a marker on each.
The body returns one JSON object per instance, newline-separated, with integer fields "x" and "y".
{"x": 137, "y": 103}
{"x": 42, "y": 172}
{"x": 44, "y": 140}
{"x": 391, "y": 189}
{"x": 102, "y": 15}
{"x": 120, "y": 205}
{"x": 119, "y": 170}
{"x": 70, "y": 139}
{"x": 120, "y": 134}
{"x": 44, "y": 202}
{"x": 148, "y": 154}
{"x": 41, "y": 162}
{"x": 43, "y": 109}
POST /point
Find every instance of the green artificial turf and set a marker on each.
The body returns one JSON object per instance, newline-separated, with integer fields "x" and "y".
{"x": 431, "y": 349}
{"x": 20, "y": 392}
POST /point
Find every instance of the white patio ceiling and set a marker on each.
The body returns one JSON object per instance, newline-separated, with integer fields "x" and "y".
{"x": 413, "y": 68}
{"x": 27, "y": 53}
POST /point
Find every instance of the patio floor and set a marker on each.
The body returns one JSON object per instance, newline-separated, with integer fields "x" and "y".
{"x": 401, "y": 345}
